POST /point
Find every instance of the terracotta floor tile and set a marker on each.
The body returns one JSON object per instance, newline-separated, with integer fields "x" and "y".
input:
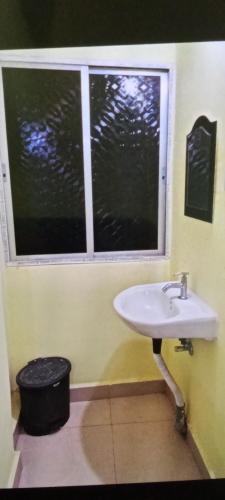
{"x": 73, "y": 456}
{"x": 87, "y": 413}
{"x": 146, "y": 452}
{"x": 147, "y": 408}
{"x": 140, "y": 446}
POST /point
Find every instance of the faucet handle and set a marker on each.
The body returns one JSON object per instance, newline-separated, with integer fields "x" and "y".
{"x": 182, "y": 273}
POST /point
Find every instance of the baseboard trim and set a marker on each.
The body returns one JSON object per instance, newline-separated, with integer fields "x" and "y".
{"x": 88, "y": 393}
{"x": 16, "y": 470}
{"x": 197, "y": 455}
{"x": 16, "y": 433}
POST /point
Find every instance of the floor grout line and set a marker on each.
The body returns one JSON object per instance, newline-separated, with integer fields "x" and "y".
{"x": 121, "y": 423}
{"x": 144, "y": 422}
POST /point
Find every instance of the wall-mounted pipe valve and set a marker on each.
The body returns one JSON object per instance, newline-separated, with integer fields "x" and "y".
{"x": 186, "y": 345}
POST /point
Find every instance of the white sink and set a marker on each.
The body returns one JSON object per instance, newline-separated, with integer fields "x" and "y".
{"x": 151, "y": 312}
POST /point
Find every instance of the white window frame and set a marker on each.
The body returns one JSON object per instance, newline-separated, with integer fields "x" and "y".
{"x": 7, "y": 222}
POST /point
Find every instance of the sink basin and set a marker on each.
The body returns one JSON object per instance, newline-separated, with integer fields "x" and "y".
{"x": 153, "y": 313}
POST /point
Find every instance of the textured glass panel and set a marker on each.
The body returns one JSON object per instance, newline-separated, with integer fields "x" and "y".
{"x": 125, "y": 161}
{"x": 43, "y": 119}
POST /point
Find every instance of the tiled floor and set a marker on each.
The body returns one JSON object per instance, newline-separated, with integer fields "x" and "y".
{"x": 119, "y": 440}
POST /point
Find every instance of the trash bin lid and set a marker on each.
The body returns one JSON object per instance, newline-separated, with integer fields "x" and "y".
{"x": 42, "y": 372}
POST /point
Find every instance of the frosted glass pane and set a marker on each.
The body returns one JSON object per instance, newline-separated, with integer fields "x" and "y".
{"x": 125, "y": 113}
{"x": 43, "y": 119}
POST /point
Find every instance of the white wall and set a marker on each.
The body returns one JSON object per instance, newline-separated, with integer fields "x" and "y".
{"x": 6, "y": 442}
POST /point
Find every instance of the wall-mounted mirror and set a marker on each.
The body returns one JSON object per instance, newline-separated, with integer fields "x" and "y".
{"x": 200, "y": 165}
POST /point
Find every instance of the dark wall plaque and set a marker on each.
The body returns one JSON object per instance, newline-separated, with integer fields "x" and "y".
{"x": 200, "y": 166}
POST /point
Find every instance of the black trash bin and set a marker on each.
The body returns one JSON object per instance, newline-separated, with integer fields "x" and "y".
{"x": 44, "y": 394}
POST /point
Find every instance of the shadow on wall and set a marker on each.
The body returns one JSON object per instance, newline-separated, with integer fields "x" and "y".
{"x": 125, "y": 363}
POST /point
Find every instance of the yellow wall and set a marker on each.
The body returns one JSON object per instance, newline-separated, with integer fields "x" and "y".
{"x": 199, "y": 247}
{"x": 6, "y": 444}
{"x": 67, "y": 310}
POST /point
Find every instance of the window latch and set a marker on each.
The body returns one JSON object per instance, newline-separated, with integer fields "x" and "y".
{"x": 4, "y": 172}
{"x": 164, "y": 174}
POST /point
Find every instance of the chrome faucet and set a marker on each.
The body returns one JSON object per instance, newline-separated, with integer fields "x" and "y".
{"x": 182, "y": 285}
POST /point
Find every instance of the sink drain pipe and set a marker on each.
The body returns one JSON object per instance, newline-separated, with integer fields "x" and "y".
{"x": 181, "y": 421}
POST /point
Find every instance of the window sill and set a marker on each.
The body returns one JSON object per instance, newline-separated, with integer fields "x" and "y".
{"x": 95, "y": 260}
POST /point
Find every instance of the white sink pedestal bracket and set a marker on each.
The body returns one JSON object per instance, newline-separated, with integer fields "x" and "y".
{"x": 181, "y": 420}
